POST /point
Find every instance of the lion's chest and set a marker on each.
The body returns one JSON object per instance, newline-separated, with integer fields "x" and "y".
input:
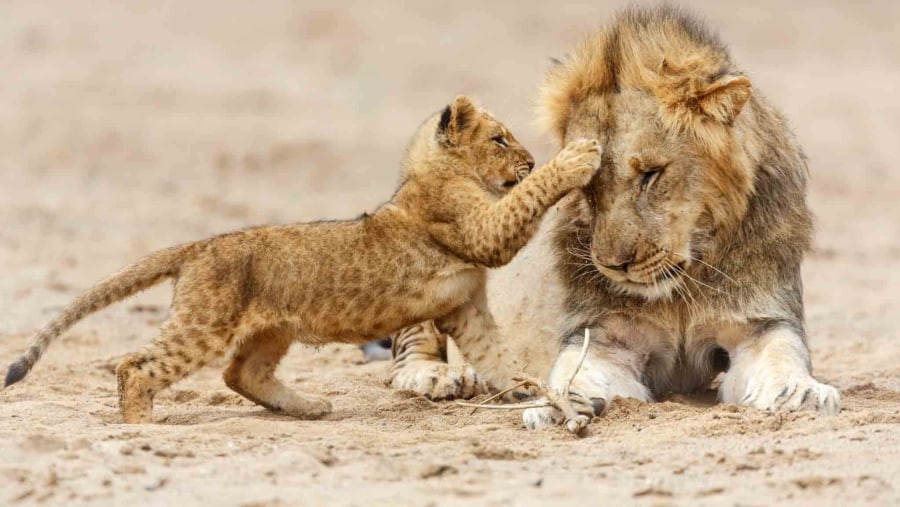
{"x": 679, "y": 355}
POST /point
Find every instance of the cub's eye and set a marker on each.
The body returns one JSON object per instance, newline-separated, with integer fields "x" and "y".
{"x": 500, "y": 140}
{"x": 650, "y": 176}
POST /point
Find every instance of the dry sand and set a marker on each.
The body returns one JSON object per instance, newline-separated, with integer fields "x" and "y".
{"x": 130, "y": 126}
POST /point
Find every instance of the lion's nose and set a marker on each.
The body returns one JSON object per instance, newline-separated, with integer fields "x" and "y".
{"x": 530, "y": 163}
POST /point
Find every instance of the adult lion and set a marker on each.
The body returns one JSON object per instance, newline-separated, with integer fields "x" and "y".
{"x": 683, "y": 255}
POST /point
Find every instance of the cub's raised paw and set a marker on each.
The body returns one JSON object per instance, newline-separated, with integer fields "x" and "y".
{"x": 578, "y": 161}
{"x": 799, "y": 392}
{"x": 440, "y": 381}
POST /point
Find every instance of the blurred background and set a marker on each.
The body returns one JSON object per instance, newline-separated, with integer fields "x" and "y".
{"x": 128, "y": 126}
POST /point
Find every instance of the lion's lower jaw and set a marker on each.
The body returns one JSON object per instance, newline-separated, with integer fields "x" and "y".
{"x": 661, "y": 290}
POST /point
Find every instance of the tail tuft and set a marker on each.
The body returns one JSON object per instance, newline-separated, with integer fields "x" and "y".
{"x": 17, "y": 371}
{"x": 134, "y": 278}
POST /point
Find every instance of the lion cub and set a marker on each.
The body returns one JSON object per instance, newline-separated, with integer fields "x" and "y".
{"x": 421, "y": 256}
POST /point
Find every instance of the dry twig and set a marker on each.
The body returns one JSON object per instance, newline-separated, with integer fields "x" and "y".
{"x": 574, "y": 422}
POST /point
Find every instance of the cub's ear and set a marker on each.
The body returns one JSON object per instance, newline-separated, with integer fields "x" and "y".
{"x": 456, "y": 120}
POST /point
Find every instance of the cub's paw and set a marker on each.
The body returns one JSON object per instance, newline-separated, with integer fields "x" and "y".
{"x": 440, "y": 381}
{"x": 305, "y": 406}
{"x": 546, "y": 417}
{"x": 797, "y": 392}
{"x": 579, "y": 161}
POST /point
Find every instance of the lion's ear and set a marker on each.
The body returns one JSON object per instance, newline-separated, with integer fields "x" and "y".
{"x": 455, "y": 120}
{"x": 723, "y": 99}
{"x": 690, "y": 91}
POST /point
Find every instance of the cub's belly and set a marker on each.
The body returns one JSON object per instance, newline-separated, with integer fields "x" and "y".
{"x": 357, "y": 317}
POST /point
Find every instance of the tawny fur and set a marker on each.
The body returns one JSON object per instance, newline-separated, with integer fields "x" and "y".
{"x": 421, "y": 256}
{"x": 685, "y": 250}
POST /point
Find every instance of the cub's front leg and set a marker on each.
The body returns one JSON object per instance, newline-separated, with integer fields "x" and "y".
{"x": 772, "y": 371}
{"x": 491, "y": 233}
{"x": 420, "y": 365}
{"x": 480, "y": 342}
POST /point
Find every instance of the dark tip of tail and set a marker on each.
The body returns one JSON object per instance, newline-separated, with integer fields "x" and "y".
{"x": 16, "y": 372}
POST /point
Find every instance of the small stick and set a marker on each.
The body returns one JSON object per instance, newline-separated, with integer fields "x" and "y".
{"x": 584, "y": 351}
{"x": 494, "y": 397}
{"x": 508, "y": 406}
{"x": 574, "y": 421}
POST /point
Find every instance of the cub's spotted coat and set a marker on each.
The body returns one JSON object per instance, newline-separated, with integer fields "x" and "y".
{"x": 419, "y": 257}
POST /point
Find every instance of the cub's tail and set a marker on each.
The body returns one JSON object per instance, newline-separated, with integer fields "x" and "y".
{"x": 141, "y": 275}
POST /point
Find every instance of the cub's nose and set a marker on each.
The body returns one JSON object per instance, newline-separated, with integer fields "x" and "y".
{"x": 530, "y": 164}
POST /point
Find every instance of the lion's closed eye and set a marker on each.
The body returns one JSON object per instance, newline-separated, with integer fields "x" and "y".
{"x": 650, "y": 177}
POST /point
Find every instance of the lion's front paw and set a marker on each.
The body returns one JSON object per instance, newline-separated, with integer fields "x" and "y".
{"x": 440, "y": 381}
{"x": 798, "y": 392}
{"x": 545, "y": 417}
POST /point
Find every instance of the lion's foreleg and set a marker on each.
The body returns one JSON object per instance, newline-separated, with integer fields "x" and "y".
{"x": 772, "y": 371}
{"x": 609, "y": 370}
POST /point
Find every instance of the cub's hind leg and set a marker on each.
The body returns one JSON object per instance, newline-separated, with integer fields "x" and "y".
{"x": 252, "y": 375}
{"x": 180, "y": 350}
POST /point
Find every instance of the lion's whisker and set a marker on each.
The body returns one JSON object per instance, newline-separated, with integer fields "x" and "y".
{"x": 710, "y": 266}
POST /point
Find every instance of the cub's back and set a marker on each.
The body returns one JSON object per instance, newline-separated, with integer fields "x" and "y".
{"x": 357, "y": 278}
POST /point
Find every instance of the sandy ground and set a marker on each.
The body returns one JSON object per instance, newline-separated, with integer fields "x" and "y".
{"x": 130, "y": 126}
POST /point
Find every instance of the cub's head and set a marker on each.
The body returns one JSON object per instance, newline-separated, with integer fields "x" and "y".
{"x": 665, "y": 102}
{"x": 464, "y": 140}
